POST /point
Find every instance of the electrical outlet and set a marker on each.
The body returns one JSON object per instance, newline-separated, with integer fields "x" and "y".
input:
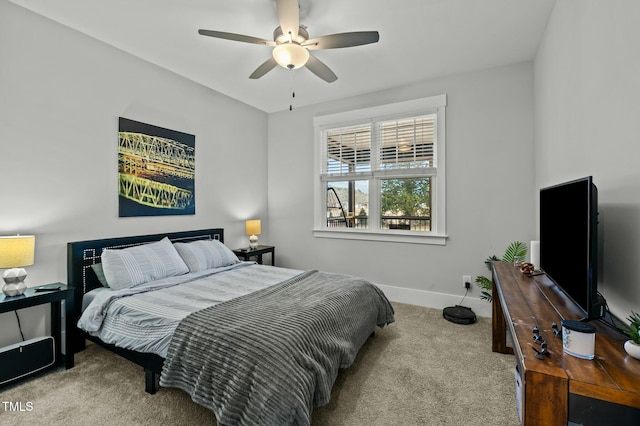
{"x": 466, "y": 281}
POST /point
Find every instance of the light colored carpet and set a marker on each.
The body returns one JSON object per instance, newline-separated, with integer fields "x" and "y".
{"x": 421, "y": 370}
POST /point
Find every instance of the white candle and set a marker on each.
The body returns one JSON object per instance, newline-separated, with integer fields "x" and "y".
{"x": 535, "y": 254}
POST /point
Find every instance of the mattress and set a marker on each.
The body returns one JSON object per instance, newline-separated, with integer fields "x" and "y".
{"x": 144, "y": 318}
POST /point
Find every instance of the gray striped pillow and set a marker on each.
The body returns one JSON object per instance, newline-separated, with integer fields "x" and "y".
{"x": 140, "y": 264}
{"x": 205, "y": 254}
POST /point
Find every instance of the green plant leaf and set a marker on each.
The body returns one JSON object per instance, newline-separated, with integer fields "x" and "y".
{"x": 486, "y": 296}
{"x": 634, "y": 319}
{"x": 487, "y": 287}
{"x": 516, "y": 248}
{"x": 487, "y": 262}
{"x": 634, "y": 327}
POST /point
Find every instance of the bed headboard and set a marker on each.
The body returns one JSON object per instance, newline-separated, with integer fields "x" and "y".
{"x": 82, "y": 254}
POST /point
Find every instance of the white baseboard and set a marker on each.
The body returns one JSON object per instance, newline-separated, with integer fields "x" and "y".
{"x": 435, "y": 300}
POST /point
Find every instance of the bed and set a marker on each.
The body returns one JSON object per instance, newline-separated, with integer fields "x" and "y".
{"x": 256, "y": 344}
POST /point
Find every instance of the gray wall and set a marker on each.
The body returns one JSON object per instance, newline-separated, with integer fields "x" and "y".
{"x": 489, "y": 184}
{"x": 61, "y": 94}
{"x": 587, "y": 87}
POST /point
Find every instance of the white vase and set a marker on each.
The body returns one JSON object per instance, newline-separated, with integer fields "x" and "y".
{"x": 632, "y": 349}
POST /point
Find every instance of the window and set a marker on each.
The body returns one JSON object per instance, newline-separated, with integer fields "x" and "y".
{"x": 381, "y": 173}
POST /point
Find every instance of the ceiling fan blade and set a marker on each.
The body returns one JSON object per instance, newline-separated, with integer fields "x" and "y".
{"x": 235, "y": 37}
{"x": 334, "y": 41}
{"x": 319, "y": 68}
{"x": 289, "y": 16}
{"x": 266, "y": 66}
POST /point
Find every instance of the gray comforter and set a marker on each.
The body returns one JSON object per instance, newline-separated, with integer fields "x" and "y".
{"x": 269, "y": 357}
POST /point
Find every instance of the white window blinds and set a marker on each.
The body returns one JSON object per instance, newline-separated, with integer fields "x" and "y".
{"x": 407, "y": 143}
{"x": 348, "y": 151}
{"x": 380, "y": 147}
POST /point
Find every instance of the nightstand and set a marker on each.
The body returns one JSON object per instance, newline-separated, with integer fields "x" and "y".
{"x": 248, "y": 253}
{"x": 31, "y": 297}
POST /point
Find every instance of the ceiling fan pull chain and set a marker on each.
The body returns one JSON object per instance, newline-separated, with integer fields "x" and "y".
{"x": 293, "y": 94}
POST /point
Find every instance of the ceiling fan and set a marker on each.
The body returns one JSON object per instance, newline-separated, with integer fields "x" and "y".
{"x": 291, "y": 43}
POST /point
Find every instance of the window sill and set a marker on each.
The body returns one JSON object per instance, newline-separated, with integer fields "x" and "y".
{"x": 386, "y": 236}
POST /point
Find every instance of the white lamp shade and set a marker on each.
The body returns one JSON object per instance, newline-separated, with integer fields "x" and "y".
{"x": 253, "y": 227}
{"x": 17, "y": 251}
{"x": 290, "y": 55}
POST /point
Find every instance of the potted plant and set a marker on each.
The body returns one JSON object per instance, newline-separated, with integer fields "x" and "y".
{"x": 632, "y": 346}
{"x": 516, "y": 251}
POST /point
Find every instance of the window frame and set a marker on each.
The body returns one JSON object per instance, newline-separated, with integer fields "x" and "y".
{"x": 417, "y": 107}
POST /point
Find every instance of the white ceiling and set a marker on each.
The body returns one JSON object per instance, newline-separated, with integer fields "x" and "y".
{"x": 419, "y": 40}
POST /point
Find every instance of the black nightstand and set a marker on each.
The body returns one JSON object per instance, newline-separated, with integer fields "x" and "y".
{"x": 248, "y": 253}
{"x": 31, "y": 297}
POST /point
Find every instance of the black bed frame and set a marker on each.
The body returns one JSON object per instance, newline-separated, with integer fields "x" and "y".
{"x": 81, "y": 278}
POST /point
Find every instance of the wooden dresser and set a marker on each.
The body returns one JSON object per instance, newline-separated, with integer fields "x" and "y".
{"x": 561, "y": 389}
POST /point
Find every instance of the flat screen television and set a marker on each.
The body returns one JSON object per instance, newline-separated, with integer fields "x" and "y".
{"x": 569, "y": 242}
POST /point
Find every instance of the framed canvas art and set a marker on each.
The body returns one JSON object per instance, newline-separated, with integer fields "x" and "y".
{"x": 156, "y": 170}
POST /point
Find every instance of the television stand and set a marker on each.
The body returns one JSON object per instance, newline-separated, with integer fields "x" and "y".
{"x": 560, "y": 389}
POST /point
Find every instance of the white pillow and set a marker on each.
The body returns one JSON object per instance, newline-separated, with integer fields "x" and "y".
{"x": 140, "y": 264}
{"x": 205, "y": 254}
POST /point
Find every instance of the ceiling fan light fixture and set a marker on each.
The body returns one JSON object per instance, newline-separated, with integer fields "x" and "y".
{"x": 290, "y": 55}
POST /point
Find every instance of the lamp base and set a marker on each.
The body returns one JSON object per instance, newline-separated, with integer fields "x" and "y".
{"x": 10, "y": 290}
{"x": 253, "y": 242}
{"x": 14, "y": 282}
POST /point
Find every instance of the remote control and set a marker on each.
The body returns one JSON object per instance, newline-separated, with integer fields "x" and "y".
{"x": 40, "y": 289}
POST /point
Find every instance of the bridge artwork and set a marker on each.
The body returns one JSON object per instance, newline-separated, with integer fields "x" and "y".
{"x": 156, "y": 170}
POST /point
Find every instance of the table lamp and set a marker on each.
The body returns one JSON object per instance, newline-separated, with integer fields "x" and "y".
{"x": 253, "y": 229}
{"x": 15, "y": 252}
